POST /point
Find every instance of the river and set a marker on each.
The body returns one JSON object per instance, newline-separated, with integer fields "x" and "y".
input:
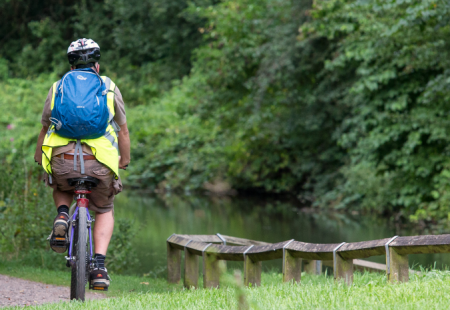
{"x": 267, "y": 219}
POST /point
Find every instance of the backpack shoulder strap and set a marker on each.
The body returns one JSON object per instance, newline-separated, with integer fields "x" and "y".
{"x": 109, "y": 84}
{"x": 55, "y": 90}
{"x": 110, "y": 87}
{"x": 107, "y": 81}
{"x": 58, "y": 83}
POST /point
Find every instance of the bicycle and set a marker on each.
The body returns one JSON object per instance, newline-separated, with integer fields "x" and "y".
{"x": 79, "y": 238}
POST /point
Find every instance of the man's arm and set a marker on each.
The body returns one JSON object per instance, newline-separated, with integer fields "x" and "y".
{"x": 124, "y": 146}
{"x": 45, "y": 121}
{"x": 38, "y": 153}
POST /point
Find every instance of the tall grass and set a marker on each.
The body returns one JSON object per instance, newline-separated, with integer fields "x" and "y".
{"x": 429, "y": 290}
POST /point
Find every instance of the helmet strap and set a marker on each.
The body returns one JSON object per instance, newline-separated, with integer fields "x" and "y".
{"x": 88, "y": 65}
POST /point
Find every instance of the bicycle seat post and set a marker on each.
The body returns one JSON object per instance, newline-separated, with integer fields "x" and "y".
{"x": 82, "y": 188}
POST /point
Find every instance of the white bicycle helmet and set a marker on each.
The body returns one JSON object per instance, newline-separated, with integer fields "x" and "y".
{"x": 83, "y": 52}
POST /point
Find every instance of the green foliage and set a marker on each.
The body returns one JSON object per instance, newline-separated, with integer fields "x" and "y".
{"x": 144, "y": 44}
{"x": 250, "y": 111}
{"x": 350, "y": 110}
{"x": 25, "y": 203}
{"x": 24, "y": 208}
{"x": 341, "y": 102}
{"x": 121, "y": 254}
{"x": 397, "y": 127}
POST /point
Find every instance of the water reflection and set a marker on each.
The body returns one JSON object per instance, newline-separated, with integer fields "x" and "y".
{"x": 271, "y": 220}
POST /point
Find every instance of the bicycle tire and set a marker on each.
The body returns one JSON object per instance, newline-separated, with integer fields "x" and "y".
{"x": 78, "y": 277}
{"x": 73, "y": 276}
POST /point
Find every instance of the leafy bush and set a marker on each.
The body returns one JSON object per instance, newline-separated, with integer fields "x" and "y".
{"x": 250, "y": 112}
{"x": 396, "y": 131}
{"x": 340, "y": 102}
{"x": 121, "y": 254}
{"x": 26, "y": 206}
{"x": 145, "y": 44}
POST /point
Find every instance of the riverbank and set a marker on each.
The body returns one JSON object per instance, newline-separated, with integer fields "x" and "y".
{"x": 369, "y": 291}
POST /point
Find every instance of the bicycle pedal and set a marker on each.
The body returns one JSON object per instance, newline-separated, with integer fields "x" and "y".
{"x": 98, "y": 288}
{"x": 59, "y": 244}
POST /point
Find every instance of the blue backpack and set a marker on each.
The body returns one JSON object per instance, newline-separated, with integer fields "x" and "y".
{"x": 80, "y": 110}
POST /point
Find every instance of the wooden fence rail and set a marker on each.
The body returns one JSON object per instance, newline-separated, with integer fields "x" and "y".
{"x": 343, "y": 257}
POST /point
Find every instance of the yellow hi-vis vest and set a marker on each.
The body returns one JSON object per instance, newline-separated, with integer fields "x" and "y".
{"x": 105, "y": 149}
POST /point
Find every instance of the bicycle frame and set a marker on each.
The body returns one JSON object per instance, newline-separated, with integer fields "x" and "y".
{"x": 82, "y": 202}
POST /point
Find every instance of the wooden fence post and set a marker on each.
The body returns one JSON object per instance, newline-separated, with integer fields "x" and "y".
{"x": 313, "y": 267}
{"x": 252, "y": 272}
{"x": 292, "y": 267}
{"x": 190, "y": 269}
{"x": 211, "y": 271}
{"x": 343, "y": 269}
{"x": 223, "y": 263}
{"x": 399, "y": 269}
{"x": 173, "y": 264}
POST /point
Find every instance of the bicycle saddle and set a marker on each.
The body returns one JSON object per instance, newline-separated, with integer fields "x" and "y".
{"x": 86, "y": 180}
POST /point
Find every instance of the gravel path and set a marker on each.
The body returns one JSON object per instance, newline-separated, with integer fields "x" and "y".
{"x": 18, "y": 292}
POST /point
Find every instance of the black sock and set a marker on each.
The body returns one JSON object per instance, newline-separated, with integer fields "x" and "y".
{"x": 63, "y": 208}
{"x": 100, "y": 258}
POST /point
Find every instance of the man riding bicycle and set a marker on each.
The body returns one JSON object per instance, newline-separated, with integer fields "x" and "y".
{"x": 98, "y": 153}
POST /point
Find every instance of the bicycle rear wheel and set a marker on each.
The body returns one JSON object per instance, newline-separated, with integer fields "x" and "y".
{"x": 78, "y": 278}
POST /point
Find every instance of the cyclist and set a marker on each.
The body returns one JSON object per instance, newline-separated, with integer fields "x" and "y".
{"x": 100, "y": 157}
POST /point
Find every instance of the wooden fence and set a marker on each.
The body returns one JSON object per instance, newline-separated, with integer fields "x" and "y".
{"x": 343, "y": 257}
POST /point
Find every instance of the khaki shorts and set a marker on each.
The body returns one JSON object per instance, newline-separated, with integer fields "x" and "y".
{"x": 101, "y": 199}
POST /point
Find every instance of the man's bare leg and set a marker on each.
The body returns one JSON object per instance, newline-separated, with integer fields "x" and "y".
{"x": 104, "y": 222}
{"x": 62, "y": 198}
{"x": 103, "y": 230}
{"x": 60, "y": 224}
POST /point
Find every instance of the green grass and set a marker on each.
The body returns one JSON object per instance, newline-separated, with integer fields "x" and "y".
{"x": 430, "y": 290}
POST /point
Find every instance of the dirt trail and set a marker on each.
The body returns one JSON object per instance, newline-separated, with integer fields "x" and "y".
{"x": 18, "y": 292}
